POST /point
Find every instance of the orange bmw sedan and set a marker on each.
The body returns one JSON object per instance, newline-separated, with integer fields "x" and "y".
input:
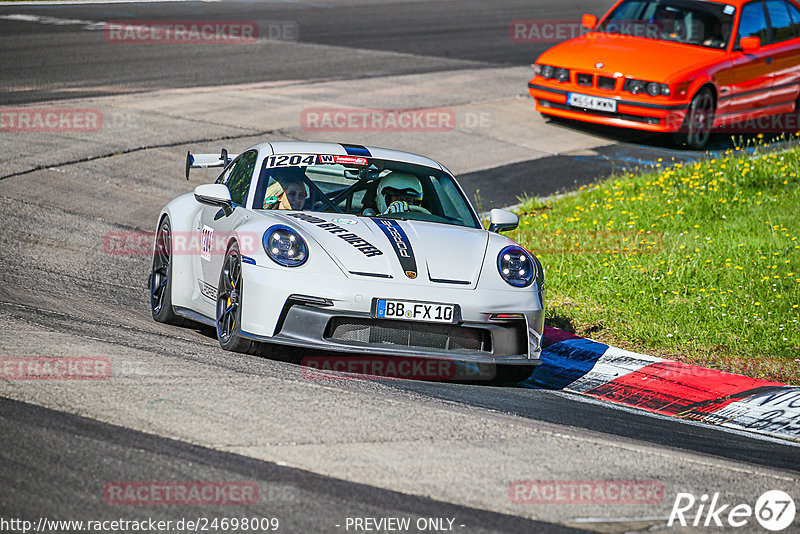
{"x": 680, "y": 66}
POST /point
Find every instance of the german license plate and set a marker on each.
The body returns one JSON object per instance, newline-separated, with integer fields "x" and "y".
{"x": 592, "y": 102}
{"x": 410, "y": 310}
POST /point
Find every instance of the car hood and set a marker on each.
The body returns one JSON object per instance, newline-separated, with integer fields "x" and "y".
{"x": 431, "y": 253}
{"x": 630, "y": 56}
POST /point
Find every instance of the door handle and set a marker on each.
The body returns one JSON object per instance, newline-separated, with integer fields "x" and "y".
{"x": 769, "y": 60}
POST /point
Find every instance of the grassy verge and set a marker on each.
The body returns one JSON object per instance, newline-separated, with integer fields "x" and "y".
{"x": 699, "y": 262}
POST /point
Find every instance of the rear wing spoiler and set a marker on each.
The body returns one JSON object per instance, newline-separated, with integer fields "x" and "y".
{"x": 206, "y": 161}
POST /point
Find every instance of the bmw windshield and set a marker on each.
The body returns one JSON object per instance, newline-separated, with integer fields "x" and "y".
{"x": 361, "y": 186}
{"x": 694, "y": 22}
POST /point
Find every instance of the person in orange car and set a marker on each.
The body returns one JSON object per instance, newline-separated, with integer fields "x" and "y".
{"x": 685, "y": 67}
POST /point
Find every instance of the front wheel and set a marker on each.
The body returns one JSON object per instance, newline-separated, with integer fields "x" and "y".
{"x": 229, "y": 304}
{"x": 696, "y": 128}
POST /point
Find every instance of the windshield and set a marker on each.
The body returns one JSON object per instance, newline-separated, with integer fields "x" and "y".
{"x": 361, "y": 186}
{"x": 692, "y": 22}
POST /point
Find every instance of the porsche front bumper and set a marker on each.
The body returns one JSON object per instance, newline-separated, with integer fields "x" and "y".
{"x": 497, "y": 342}
{"x": 334, "y": 314}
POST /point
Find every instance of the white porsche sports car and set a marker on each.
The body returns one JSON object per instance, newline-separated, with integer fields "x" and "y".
{"x": 346, "y": 248}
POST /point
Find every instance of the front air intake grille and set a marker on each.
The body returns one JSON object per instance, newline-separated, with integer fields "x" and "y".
{"x": 604, "y": 82}
{"x": 584, "y": 79}
{"x": 405, "y": 334}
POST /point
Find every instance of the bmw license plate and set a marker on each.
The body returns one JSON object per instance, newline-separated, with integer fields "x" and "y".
{"x": 592, "y": 102}
{"x": 411, "y": 310}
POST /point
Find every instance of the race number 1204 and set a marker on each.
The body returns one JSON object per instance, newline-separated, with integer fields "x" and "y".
{"x": 290, "y": 160}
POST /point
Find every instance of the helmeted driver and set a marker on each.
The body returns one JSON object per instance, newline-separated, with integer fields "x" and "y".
{"x": 397, "y": 191}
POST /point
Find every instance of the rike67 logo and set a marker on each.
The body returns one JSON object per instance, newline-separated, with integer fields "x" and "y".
{"x": 774, "y": 510}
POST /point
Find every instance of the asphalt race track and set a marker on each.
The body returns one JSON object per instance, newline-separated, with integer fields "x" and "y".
{"x": 57, "y": 57}
{"x": 45, "y": 61}
{"x": 313, "y": 502}
{"x": 175, "y": 406}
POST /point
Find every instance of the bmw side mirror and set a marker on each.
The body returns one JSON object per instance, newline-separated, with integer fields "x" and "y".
{"x": 501, "y": 220}
{"x": 589, "y": 21}
{"x": 750, "y": 44}
{"x": 216, "y": 195}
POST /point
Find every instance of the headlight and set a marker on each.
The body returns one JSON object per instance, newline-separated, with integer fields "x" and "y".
{"x": 635, "y": 86}
{"x": 285, "y": 246}
{"x": 641, "y": 86}
{"x": 515, "y": 266}
{"x": 551, "y": 73}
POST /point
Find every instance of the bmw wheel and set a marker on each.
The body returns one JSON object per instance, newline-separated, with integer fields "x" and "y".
{"x": 696, "y": 128}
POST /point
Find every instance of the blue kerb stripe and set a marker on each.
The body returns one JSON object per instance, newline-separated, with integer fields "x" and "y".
{"x": 356, "y": 150}
{"x": 565, "y": 362}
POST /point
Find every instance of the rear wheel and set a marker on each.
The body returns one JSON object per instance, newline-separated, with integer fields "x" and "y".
{"x": 696, "y": 128}
{"x": 161, "y": 277}
{"x": 229, "y": 304}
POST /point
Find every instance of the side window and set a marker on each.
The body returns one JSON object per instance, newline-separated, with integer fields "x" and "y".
{"x": 238, "y": 181}
{"x": 779, "y": 20}
{"x": 753, "y": 23}
{"x": 795, "y": 15}
{"x": 223, "y": 178}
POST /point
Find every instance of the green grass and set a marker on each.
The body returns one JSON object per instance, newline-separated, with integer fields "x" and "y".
{"x": 698, "y": 262}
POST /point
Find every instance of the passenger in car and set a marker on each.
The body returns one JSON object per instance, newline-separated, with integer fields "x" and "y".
{"x": 286, "y": 193}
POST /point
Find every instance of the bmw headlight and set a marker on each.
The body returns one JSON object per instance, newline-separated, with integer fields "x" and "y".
{"x": 516, "y": 266}
{"x": 651, "y": 88}
{"x": 285, "y": 246}
{"x": 551, "y": 73}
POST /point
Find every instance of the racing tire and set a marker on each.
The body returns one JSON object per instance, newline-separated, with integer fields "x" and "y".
{"x": 160, "y": 281}
{"x": 229, "y": 308}
{"x": 696, "y": 128}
